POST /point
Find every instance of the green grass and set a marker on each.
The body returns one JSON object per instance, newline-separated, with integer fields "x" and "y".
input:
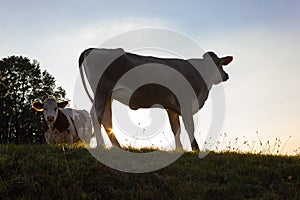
{"x": 48, "y": 172}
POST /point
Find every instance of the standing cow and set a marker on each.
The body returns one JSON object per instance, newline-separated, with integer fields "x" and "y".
{"x": 146, "y": 81}
{"x": 64, "y": 125}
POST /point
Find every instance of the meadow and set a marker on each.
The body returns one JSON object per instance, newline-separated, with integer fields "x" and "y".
{"x": 60, "y": 172}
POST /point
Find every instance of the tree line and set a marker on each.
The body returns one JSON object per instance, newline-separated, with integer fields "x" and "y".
{"x": 21, "y": 82}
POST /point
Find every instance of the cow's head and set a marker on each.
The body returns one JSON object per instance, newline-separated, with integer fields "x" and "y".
{"x": 50, "y": 108}
{"x": 219, "y": 62}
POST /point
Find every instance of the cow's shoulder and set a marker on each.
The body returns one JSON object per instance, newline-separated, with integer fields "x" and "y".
{"x": 67, "y": 111}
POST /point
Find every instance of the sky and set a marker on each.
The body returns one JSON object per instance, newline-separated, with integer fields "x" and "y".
{"x": 262, "y": 94}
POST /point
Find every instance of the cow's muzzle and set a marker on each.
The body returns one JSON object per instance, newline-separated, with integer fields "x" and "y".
{"x": 50, "y": 118}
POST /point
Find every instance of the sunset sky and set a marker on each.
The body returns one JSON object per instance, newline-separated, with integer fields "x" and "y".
{"x": 263, "y": 92}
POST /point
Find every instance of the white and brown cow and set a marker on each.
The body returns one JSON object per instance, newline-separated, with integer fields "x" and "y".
{"x": 64, "y": 125}
{"x": 151, "y": 82}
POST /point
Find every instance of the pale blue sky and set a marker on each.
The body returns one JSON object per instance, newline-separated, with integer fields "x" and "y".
{"x": 262, "y": 93}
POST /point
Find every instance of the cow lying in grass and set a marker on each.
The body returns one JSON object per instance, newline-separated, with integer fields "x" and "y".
{"x": 64, "y": 125}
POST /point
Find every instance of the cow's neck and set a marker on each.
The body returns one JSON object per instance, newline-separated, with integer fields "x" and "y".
{"x": 51, "y": 126}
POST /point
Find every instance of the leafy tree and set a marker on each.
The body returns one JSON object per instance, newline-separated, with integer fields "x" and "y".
{"x": 21, "y": 82}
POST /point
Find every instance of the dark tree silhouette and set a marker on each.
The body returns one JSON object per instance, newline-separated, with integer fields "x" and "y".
{"x": 21, "y": 82}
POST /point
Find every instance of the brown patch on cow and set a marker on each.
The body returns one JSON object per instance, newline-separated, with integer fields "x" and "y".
{"x": 61, "y": 123}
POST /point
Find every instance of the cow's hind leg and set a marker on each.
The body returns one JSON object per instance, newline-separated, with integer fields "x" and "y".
{"x": 102, "y": 98}
{"x": 175, "y": 125}
{"x": 97, "y": 127}
{"x": 107, "y": 123}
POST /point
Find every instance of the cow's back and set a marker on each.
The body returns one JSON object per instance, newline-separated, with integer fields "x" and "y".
{"x": 81, "y": 124}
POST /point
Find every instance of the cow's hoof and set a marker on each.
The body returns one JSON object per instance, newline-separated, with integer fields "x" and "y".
{"x": 194, "y": 145}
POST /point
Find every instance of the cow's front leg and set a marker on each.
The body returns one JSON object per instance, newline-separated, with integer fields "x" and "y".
{"x": 69, "y": 138}
{"x": 49, "y": 138}
{"x": 107, "y": 123}
{"x": 189, "y": 126}
{"x": 175, "y": 125}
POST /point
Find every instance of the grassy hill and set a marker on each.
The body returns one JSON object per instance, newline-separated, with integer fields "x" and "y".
{"x": 48, "y": 172}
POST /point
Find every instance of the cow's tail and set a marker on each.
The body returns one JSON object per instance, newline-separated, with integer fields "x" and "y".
{"x": 82, "y": 56}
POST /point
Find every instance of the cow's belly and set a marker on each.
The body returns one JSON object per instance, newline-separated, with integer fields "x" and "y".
{"x": 122, "y": 95}
{"x": 147, "y": 96}
{"x": 152, "y": 99}
{"x": 155, "y": 81}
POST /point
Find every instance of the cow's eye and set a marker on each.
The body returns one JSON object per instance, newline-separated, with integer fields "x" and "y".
{"x": 55, "y": 108}
{"x": 45, "y": 108}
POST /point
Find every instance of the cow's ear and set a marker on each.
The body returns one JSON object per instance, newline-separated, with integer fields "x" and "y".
{"x": 63, "y": 104}
{"x": 38, "y": 106}
{"x": 226, "y": 60}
